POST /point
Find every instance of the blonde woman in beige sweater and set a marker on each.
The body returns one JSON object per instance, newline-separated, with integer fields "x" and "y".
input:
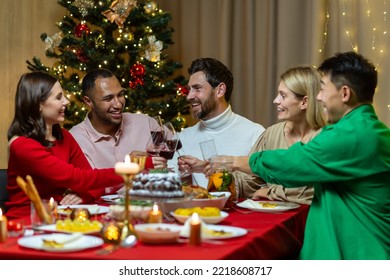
{"x": 301, "y": 118}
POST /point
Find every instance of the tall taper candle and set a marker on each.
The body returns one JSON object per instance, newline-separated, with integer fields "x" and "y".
{"x": 3, "y": 227}
{"x": 195, "y": 230}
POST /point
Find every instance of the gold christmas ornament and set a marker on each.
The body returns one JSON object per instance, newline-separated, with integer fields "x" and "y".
{"x": 127, "y": 36}
{"x": 150, "y": 7}
{"x": 180, "y": 121}
{"x": 119, "y": 11}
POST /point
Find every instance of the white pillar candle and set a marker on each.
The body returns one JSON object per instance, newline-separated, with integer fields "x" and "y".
{"x": 127, "y": 167}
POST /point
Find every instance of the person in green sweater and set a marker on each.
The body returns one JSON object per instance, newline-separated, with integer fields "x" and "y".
{"x": 348, "y": 164}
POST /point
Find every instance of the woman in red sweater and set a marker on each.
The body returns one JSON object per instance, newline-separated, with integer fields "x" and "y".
{"x": 40, "y": 147}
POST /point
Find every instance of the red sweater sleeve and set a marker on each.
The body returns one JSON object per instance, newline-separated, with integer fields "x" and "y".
{"x": 54, "y": 169}
{"x": 78, "y": 159}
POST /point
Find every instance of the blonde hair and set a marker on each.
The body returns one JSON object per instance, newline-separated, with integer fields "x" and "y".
{"x": 306, "y": 81}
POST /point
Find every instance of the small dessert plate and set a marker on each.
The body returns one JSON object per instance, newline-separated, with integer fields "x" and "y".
{"x": 158, "y": 233}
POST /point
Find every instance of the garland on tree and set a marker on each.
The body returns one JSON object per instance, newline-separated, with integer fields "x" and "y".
{"x": 126, "y": 37}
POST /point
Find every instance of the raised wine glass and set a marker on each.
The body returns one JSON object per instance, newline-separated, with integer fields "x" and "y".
{"x": 157, "y": 137}
{"x": 172, "y": 142}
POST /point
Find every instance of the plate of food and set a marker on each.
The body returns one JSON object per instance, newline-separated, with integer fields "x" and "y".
{"x": 93, "y": 209}
{"x": 158, "y": 233}
{"x": 215, "y": 231}
{"x": 214, "y": 199}
{"x": 71, "y": 226}
{"x": 58, "y": 242}
{"x": 267, "y": 206}
{"x": 210, "y": 215}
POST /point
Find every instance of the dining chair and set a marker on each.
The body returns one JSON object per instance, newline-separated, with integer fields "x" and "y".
{"x": 3, "y": 189}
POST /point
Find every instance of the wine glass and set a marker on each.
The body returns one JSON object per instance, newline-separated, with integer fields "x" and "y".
{"x": 171, "y": 141}
{"x": 157, "y": 137}
{"x": 156, "y": 130}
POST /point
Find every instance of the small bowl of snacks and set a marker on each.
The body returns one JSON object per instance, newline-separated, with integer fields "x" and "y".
{"x": 158, "y": 233}
{"x": 210, "y": 215}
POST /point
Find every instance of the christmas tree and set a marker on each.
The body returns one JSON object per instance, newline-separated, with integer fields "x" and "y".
{"x": 129, "y": 38}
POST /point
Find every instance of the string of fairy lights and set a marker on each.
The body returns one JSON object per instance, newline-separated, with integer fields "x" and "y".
{"x": 375, "y": 18}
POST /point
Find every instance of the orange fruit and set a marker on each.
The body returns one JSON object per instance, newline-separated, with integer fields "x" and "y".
{"x": 217, "y": 179}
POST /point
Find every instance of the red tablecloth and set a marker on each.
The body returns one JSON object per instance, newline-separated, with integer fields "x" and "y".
{"x": 270, "y": 236}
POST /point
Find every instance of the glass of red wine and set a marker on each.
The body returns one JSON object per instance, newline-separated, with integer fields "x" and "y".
{"x": 157, "y": 137}
{"x": 172, "y": 142}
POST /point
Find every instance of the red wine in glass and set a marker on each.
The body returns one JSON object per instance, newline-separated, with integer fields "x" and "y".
{"x": 167, "y": 154}
{"x": 153, "y": 152}
{"x": 174, "y": 144}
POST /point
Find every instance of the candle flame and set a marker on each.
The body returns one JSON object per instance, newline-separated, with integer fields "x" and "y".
{"x": 51, "y": 201}
{"x": 155, "y": 208}
{"x": 1, "y": 212}
{"x": 127, "y": 159}
{"x": 195, "y": 217}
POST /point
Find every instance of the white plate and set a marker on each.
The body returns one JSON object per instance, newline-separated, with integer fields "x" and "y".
{"x": 267, "y": 206}
{"x": 218, "y": 202}
{"x": 52, "y": 228}
{"x": 92, "y": 208}
{"x": 207, "y": 220}
{"x": 210, "y": 233}
{"x": 110, "y": 197}
{"x": 158, "y": 233}
{"x": 82, "y": 243}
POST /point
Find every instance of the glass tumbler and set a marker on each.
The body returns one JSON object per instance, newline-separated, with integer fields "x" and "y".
{"x": 221, "y": 178}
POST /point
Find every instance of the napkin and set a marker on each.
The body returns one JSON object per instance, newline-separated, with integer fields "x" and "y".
{"x": 59, "y": 240}
{"x": 249, "y": 203}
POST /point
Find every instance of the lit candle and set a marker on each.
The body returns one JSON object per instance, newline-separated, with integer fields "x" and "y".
{"x": 155, "y": 216}
{"x": 3, "y": 227}
{"x": 53, "y": 209}
{"x": 127, "y": 167}
{"x": 195, "y": 227}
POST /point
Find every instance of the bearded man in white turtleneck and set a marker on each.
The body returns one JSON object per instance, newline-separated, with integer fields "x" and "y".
{"x": 210, "y": 88}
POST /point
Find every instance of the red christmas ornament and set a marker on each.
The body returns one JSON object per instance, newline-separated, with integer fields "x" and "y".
{"x": 137, "y": 70}
{"x": 81, "y": 29}
{"x": 182, "y": 90}
{"x": 81, "y": 56}
{"x": 134, "y": 83}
